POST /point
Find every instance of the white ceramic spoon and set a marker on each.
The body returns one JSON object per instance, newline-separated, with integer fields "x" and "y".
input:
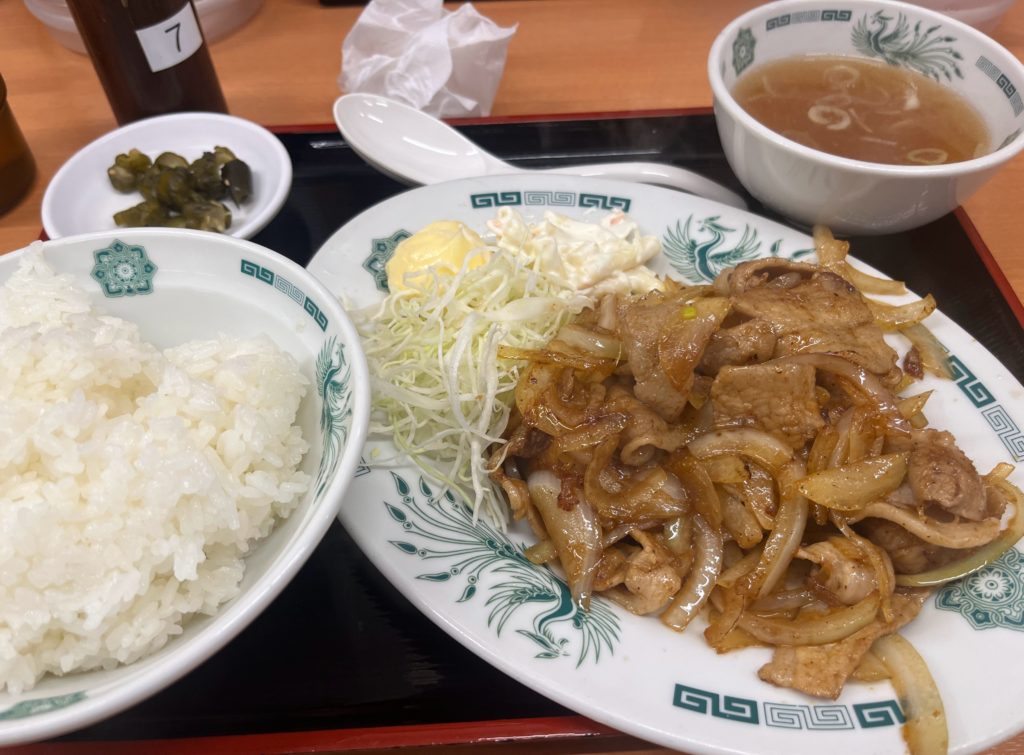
{"x": 411, "y": 146}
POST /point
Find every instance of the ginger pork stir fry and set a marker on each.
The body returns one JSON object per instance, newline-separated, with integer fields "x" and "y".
{"x": 741, "y": 448}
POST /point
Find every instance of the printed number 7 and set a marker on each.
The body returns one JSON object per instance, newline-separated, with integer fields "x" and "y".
{"x": 176, "y": 28}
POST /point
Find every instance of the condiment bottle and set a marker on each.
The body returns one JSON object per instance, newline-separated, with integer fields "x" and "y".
{"x": 150, "y": 56}
{"x": 17, "y": 168}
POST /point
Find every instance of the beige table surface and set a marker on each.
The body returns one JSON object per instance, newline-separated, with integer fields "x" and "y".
{"x": 568, "y": 56}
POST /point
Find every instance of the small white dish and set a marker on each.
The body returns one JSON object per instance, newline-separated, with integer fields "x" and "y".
{"x": 80, "y": 198}
{"x": 201, "y": 284}
{"x": 854, "y": 196}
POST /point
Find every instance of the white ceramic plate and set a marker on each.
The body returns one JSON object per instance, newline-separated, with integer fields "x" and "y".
{"x": 80, "y": 198}
{"x": 631, "y": 672}
{"x": 177, "y": 286}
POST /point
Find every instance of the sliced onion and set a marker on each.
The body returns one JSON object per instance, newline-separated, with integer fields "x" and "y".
{"x": 850, "y": 487}
{"x": 758, "y": 494}
{"x": 928, "y": 156}
{"x": 830, "y": 250}
{"x": 832, "y": 118}
{"x": 934, "y": 356}
{"x": 590, "y": 434}
{"x": 981, "y": 557}
{"x": 726, "y": 469}
{"x": 537, "y": 399}
{"x": 620, "y": 531}
{"x": 841, "y": 447}
{"x": 772, "y": 561}
{"x": 784, "y": 600}
{"x": 588, "y": 341}
{"x": 700, "y": 582}
{"x": 679, "y": 535}
{"x": 840, "y": 76}
{"x": 860, "y": 122}
{"x": 880, "y": 562}
{"x": 945, "y": 534}
{"x": 913, "y": 405}
{"x": 642, "y": 440}
{"x": 812, "y": 629}
{"x": 650, "y": 494}
{"x": 737, "y": 639}
{"x": 825, "y": 445}
{"x": 739, "y": 522}
{"x": 729, "y": 604}
{"x": 870, "y": 669}
{"x": 542, "y": 552}
{"x": 869, "y": 284}
{"x": 576, "y": 533}
{"x": 785, "y": 538}
{"x": 867, "y": 436}
{"x": 926, "y": 731}
{"x": 889, "y": 317}
{"x": 762, "y": 447}
{"x": 549, "y": 356}
{"x": 596, "y": 492}
{"x": 698, "y": 484}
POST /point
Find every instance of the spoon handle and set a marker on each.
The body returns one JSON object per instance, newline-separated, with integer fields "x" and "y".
{"x": 659, "y": 175}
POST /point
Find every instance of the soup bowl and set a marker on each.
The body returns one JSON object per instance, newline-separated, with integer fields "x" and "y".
{"x": 855, "y": 196}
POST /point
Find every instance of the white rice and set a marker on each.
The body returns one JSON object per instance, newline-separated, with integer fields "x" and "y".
{"x": 132, "y": 482}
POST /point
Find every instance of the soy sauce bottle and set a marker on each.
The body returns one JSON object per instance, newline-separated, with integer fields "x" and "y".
{"x": 150, "y": 56}
{"x": 17, "y": 168}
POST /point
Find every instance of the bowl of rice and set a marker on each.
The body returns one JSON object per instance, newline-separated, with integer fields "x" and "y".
{"x": 180, "y": 416}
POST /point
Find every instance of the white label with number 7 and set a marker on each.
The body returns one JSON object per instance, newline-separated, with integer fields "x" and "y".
{"x": 172, "y": 40}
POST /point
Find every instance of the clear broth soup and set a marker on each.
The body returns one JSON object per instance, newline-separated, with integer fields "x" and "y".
{"x": 864, "y": 110}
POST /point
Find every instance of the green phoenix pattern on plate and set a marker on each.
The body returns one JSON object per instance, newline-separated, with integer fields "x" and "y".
{"x": 441, "y": 530}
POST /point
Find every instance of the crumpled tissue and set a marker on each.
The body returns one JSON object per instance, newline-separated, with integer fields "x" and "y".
{"x": 447, "y": 64}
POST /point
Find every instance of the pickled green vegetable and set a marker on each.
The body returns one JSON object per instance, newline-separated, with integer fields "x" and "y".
{"x": 170, "y": 160}
{"x": 179, "y": 194}
{"x": 238, "y": 179}
{"x": 207, "y": 216}
{"x": 146, "y": 213}
{"x": 127, "y": 168}
{"x": 207, "y": 178}
{"x": 223, "y": 155}
{"x": 122, "y": 179}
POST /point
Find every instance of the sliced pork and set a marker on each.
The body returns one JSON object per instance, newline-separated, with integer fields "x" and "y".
{"x": 940, "y": 474}
{"x": 778, "y": 399}
{"x": 822, "y": 670}
{"x": 811, "y": 310}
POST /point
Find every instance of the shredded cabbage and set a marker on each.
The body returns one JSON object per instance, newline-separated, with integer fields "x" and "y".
{"x": 440, "y": 390}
